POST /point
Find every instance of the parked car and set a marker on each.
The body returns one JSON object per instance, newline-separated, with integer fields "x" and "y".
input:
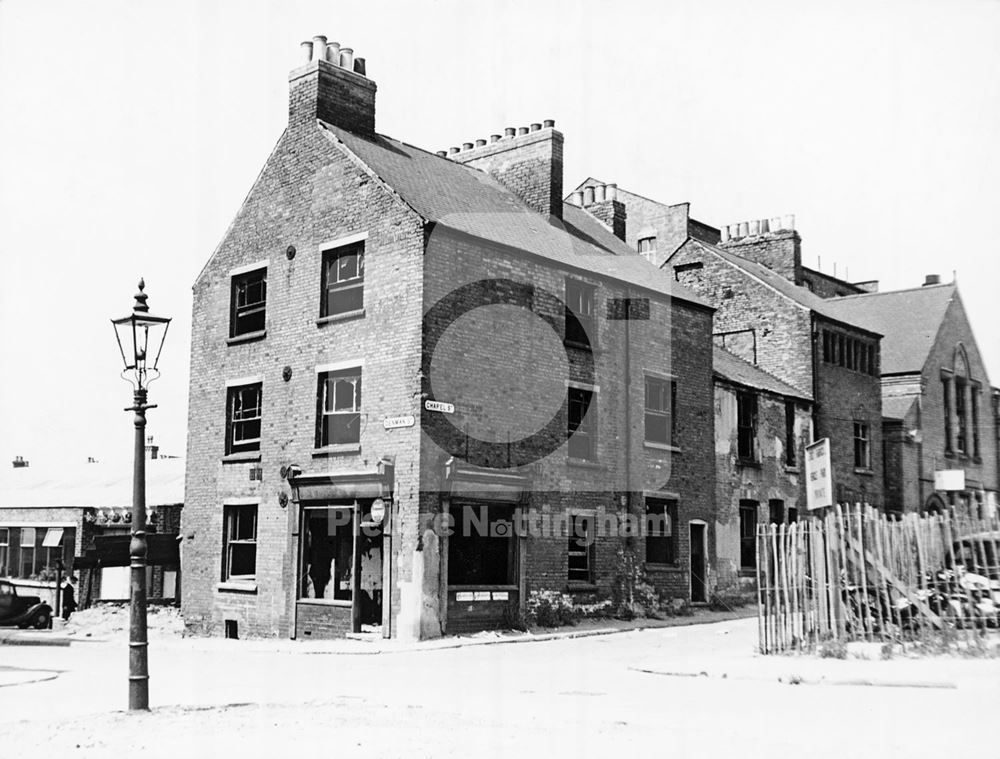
{"x": 22, "y": 611}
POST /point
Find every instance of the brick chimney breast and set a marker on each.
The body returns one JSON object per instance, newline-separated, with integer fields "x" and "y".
{"x": 529, "y": 164}
{"x": 773, "y": 243}
{"x": 337, "y": 92}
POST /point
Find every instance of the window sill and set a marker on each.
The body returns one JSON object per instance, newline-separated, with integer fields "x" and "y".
{"x": 792, "y": 469}
{"x": 346, "y": 316}
{"x": 248, "y": 337}
{"x": 744, "y": 572}
{"x": 583, "y": 463}
{"x": 580, "y": 587}
{"x": 664, "y": 568}
{"x": 341, "y": 449}
{"x": 864, "y": 471}
{"x": 661, "y": 446}
{"x": 748, "y": 463}
{"x": 324, "y": 602}
{"x": 236, "y": 586}
{"x": 240, "y": 458}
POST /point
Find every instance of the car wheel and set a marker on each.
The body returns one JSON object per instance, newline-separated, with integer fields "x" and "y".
{"x": 42, "y": 621}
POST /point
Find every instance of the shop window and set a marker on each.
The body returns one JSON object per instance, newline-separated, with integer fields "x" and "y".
{"x": 239, "y": 549}
{"x": 580, "y": 549}
{"x": 343, "y": 279}
{"x": 748, "y": 535}
{"x": 248, "y": 299}
{"x": 580, "y": 313}
{"x": 4, "y": 551}
{"x": 243, "y": 418}
{"x": 328, "y": 553}
{"x": 661, "y": 533}
{"x": 661, "y": 408}
{"x": 746, "y": 426}
{"x": 862, "y": 446}
{"x": 482, "y": 546}
{"x": 339, "y": 415}
{"x": 582, "y": 423}
{"x": 28, "y": 552}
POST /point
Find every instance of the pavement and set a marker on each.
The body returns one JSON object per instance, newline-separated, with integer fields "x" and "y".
{"x": 688, "y": 690}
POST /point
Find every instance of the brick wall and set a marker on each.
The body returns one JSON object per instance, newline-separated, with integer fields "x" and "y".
{"x": 779, "y": 251}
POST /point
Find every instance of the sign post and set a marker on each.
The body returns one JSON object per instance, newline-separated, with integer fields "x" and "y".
{"x": 819, "y": 475}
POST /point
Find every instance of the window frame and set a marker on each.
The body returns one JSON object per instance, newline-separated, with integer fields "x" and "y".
{"x": 231, "y": 513}
{"x": 328, "y": 291}
{"x": 246, "y": 445}
{"x": 791, "y": 443}
{"x": 667, "y": 395}
{"x": 649, "y": 249}
{"x": 585, "y": 575}
{"x": 747, "y": 432}
{"x": 652, "y": 544}
{"x": 323, "y": 430}
{"x": 585, "y": 430}
{"x": 580, "y": 325}
{"x": 862, "y": 445}
{"x": 242, "y": 279}
{"x": 962, "y": 416}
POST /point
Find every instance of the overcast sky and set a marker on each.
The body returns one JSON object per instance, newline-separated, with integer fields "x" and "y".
{"x": 130, "y": 133}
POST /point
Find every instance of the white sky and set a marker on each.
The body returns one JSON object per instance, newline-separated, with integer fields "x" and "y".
{"x": 130, "y": 133}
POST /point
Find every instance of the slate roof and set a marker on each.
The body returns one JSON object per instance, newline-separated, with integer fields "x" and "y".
{"x": 98, "y": 485}
{"x": 897, "y": 407}
{"x": 735, "y": 369}
{"x": 786, "y": 287}
{"x": 908, "y": 319}
{"x": 471, "y": 201}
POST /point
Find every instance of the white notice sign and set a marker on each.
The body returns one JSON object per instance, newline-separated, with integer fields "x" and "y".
{"x": 444, "y": 408}
{"x": 395, "y": 422}
{"x": 819, "y": 475}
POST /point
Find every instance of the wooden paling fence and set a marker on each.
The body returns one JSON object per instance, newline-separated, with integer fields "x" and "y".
{"x": 856, "y": 574}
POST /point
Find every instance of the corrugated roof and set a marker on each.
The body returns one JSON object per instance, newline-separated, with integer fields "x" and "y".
{"x": 98, "y": 485}
{"x": 472, "y": 202}
{"x": 735, "y": 369}
{"x": 908, "y": 319}
{"x": 789, "y": 289}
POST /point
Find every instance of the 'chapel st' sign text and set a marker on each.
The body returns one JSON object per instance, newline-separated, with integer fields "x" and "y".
{"x": 819, "y": 475}
{"x": 444, "y": 408}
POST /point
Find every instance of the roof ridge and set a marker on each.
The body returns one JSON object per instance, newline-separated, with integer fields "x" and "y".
{"x": 917, "y": 288}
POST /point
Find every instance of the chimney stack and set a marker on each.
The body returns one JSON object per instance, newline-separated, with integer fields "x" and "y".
{"x": 932, "y": 279}
{"x": 19, "y": 463}
{"x": 331, "y": 86}
{"x": 527, "y": 160}
{"x": 152, "y": 451}
{"x": 772, "y": 242}
{"x": 601, "y": 201}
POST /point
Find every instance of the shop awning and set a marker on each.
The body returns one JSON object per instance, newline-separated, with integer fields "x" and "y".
{"x": 112, "y": 551}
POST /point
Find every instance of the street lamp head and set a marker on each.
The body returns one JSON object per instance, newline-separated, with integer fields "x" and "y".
{"x": 140, "y": 335}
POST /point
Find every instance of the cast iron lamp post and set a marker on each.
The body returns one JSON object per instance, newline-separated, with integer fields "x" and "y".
{"x": 140, "y": 335}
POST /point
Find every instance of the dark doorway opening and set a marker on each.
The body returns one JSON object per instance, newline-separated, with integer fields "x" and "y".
{"x": 699, "y": 563}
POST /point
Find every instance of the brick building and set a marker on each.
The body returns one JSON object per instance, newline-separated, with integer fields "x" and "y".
{"x": 936, "y": 397}
{"x": 390, "y": 344}
{"x": 762, "y": 426}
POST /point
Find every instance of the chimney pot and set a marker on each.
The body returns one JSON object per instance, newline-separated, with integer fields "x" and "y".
{"x": 307, "y": 51}
{"x": 442, "y": 152}
{"x": 509, "y": 131}
{"x": 744, "y": 229}
{"x": 599, "y": 193}
{"x": 535, "y": 127}
{"x": 453, "y": 150}
{"x": 611, "y": 191}
{"x": 576, "y": 198}
{"x": 522, "y": 130}
{"x": 480, "y": 143}
{"x": 466, "y": 146}
{"x": 755, "y": 227}
{"x": 319, "y": 48}
{"x": 588, "y": 196}
{"x": 549, "y": 123}
{"x": 788, "y": 222}
{"x": 724, "y": 234}
{"x": 359, "y": 66}
{"x": 775, "y": 223}
{"x": 765, "y": 227}
{"x": 932, "y": 279}
{"x": 494, "y": 138}
{"x": 333, "y": 53}
{"x": 347, "y": 58}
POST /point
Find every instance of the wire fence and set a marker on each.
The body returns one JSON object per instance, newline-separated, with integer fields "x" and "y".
{"x": 856, "y": 574}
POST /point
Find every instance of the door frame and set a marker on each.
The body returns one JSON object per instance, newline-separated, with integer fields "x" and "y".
{"x": 701, "y": 523}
